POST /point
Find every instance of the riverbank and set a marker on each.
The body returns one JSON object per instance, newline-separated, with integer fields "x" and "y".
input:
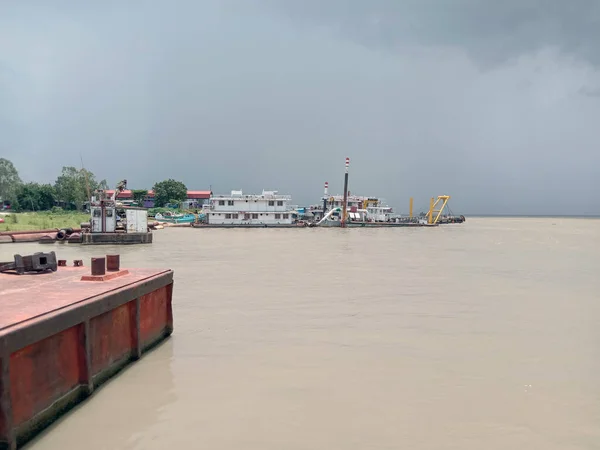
{"x": 37, "y": 221}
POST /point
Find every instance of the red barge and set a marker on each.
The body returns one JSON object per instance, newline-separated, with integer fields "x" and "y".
{"x": 64, "y": 330}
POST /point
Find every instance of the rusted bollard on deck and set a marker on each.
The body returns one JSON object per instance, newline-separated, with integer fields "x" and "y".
{"x": 113, "y": 263}
{"x": 98, "y": 266}
{"x": 105, "y": 269}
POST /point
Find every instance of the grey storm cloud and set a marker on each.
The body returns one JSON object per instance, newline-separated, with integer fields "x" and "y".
{"x": 494, "y": 103}
{"x": 490, "y": 31}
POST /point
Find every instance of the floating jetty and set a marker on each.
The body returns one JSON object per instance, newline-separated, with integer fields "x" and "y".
{"x": 66, "y": 329}
{"x": 76, "y": 237}
{"x": 116, "y": 238}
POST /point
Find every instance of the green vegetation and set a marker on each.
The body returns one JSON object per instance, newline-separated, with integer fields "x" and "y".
{"x": 33, "y": 221}
{"x": 35, "y": 197}
{"x": 71, "y": 190}
{"x": 169, "y": 191}
{"x": 74, "y": 186}
{"x": 9, "y": 179}
{"x": 139, "y": 195}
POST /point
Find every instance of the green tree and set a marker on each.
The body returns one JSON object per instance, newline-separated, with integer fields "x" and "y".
{"x": 46, "y": 197}
{"x": 72, "y": 186}
{"x": 9, "y": 180}
{"x": 35, "y": 197}
{"x": 139, "y": 195}
{"x": 168, "y": 190}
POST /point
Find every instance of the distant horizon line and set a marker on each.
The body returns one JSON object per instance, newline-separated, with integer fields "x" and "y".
{"x": 544, "y": 216}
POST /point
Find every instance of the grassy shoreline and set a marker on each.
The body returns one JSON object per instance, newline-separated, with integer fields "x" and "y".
{"x": 33, "y": 221}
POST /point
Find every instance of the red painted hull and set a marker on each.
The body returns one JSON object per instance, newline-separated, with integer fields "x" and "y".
{"x": 60, "y": 337}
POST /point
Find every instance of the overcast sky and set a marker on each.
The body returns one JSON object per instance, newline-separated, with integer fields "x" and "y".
{"x": 494, "y": 103}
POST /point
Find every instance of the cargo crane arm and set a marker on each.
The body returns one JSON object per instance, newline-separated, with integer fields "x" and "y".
{"x": 121, "y": 186}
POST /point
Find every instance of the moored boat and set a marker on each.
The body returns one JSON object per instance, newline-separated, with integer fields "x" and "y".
{"x": 175, "y": 218}
{"x": 358, "y": 211}
{"x": 238, "y": 210}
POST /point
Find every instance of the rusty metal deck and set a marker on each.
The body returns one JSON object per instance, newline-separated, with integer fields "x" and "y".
{"x": 31, "y": 296}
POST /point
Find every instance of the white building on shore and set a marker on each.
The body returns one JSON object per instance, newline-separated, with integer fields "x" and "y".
{"x": 268, "y": 208}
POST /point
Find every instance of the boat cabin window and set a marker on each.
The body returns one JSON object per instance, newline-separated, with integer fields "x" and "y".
{"x": 255, "y": 216}
{"x": 221, "y": 202}
{"x": 271, "y": 203}
{"x": 234, "y": 216}
{"x": 286, "y": 216}
{"x": 278, "y": 216}
{"x": 280, "y": 203}
{"x": 230, "y": 202}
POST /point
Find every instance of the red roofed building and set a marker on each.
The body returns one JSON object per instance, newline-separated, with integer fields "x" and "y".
{"x": 196, "y": 198}
{"x": 198, "y": 195}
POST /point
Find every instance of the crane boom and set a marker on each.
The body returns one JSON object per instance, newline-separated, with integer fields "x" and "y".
{"x": 121, "y": 186}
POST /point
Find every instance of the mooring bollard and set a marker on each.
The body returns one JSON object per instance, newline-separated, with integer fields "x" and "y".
{"x": 98, "y": 266}
{"x": 113, "y": 263}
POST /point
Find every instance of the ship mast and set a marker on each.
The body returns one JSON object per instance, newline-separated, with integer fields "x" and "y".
{"x": 345, "y": 204}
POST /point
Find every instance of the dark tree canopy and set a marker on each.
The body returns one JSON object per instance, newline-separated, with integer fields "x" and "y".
{"x": 169, "y": 190}
{"x": 139, "y": 195}
{"x": 72, "y": 186}
{"x": 36, "y": 197}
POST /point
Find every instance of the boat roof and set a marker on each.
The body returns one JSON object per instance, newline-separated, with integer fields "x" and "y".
{"x": 267, "y": 195}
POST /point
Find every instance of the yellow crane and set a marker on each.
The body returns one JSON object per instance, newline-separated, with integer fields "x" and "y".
{"x": 434, "y": 214}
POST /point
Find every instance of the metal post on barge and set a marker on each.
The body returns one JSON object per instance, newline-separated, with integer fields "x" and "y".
{"x": 430, "y": 213}
{"x": 345, "y": 203}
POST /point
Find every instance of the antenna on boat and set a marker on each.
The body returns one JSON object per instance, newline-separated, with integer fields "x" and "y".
{"x": 345, "y": 204}
{"x": 87, "y": 182}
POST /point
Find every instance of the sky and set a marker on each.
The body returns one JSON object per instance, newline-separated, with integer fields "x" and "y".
{"x": 494, "y": 103}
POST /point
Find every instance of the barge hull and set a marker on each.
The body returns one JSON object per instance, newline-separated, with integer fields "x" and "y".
{"x": 377, "y": 225}
{"x": 389, "y": 225}
{"x": 116, "y": 238}
{"x": 248, "y": 225}
{"x": 61, "y": 337}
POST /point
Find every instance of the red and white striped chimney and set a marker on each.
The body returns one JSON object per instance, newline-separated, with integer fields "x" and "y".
{"x": 326, "y": 188}
{"x": 347, "y": 164}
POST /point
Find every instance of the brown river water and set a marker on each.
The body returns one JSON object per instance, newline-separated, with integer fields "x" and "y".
{"x": 484, "y": 335}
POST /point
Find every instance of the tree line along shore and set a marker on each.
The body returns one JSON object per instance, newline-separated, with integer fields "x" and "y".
{"x": 30, "y": 206}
